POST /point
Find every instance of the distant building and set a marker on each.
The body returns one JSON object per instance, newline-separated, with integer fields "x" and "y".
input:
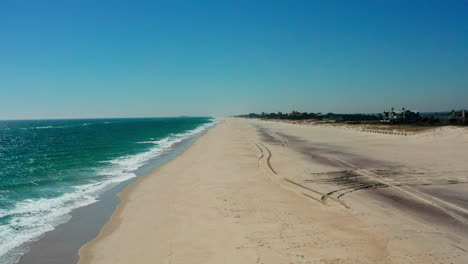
{"x": 295, "y": 114}
{"x": 400, "y": 116}
{"x": 459, "y": 117}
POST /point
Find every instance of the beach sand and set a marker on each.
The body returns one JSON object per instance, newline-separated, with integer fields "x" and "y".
{"x": 250, "y": 191}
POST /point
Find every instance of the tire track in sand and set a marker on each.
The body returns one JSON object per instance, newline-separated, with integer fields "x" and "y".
{"x": 261, "y": 155}
{"x": 322, "y": 199}
{"x": 268, "y": 158}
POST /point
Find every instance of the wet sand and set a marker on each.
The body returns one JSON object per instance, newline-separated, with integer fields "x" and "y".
{"x": 252, "y": 191}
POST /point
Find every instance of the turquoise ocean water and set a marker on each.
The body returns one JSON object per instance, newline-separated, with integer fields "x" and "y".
{"x": 50, "y": 167}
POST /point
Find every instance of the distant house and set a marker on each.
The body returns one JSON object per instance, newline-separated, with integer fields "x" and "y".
{"x": 400, "y": 116}
{"x": 459, "y": 117}
{"x": 295, "y": 114}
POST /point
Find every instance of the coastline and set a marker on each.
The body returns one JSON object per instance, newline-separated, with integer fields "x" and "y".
{"x": 114, "y": 219}
{"x": 62, "y": 244}
{"x": 242, "y": 180}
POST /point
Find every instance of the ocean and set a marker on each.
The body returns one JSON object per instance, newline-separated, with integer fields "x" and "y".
{"x": 50, "y": 167}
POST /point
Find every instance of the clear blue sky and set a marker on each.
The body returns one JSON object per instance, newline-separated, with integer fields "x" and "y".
{"x": 89, "y": 58}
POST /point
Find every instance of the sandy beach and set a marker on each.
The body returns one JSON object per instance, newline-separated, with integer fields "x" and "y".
{"x": 252, "y": 191}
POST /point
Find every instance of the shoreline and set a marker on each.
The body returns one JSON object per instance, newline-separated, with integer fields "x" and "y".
{"x": 246, "y": 181}
{"x": 86, "y": 222}
{"x": 113, "y": 221}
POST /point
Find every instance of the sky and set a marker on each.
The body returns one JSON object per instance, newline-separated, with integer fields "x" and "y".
{"x": 88, "y": 58}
